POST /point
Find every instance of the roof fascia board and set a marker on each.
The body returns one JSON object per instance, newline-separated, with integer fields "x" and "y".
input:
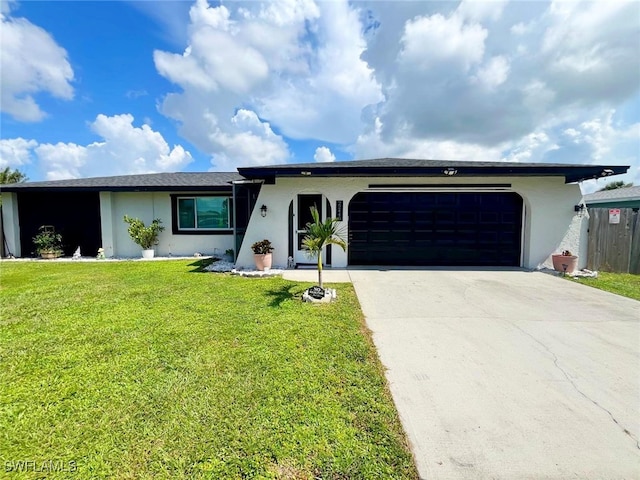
{"x": 570, "y": 173}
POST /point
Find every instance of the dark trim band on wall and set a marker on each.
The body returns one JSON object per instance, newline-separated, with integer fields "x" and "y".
{"x": 440, "y": 186}
{"x": 174, "y": 215}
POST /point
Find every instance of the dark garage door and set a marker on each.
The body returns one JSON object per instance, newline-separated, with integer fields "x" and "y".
{"x": 433, "y": 228}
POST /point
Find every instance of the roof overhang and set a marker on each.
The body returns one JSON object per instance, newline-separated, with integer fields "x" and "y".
{"x": 571, "y": 173}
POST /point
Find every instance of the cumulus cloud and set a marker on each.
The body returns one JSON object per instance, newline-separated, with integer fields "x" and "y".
{"x": 494, "y": 73}
{"x": 15, "y": 152}
{"x": 251, "y": 142}
{"x": 31, "y": 62}
{"x": 480, "y": 10}
{"x": 124, "y": 149}
{"x": 585, "y": 42}
{"x": 431, "y": 41}
{"x": 404, "y": 144}
{"x": 490, "y": 80}
{"x": 293, "y": 64}
{"x": 323, "y": 154}
{"x": 530, "y": 83}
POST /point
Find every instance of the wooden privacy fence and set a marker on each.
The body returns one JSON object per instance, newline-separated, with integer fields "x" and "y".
{"x": 614, "y": 247}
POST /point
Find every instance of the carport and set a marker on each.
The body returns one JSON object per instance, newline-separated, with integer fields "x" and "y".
{"x": 75, "y": 215}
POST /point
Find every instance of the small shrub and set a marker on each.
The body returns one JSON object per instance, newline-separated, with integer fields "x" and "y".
{"x": 145, "y": 236}
{"x": 48, "y": 241}
{"x": 262, "y": 247}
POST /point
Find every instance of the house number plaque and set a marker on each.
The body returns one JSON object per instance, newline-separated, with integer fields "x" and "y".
{"x": 339, "y": 207}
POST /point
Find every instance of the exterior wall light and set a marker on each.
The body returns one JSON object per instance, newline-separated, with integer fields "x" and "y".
{"x": 450, "y": 172}
{"x": 263, "y": 210}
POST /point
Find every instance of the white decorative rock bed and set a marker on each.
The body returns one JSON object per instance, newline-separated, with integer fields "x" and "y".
{"x": 228, "y": 267}
{"x": 272, "y": 272}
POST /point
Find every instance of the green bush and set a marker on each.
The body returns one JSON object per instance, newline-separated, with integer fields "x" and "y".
{"x": 144, "y": 236}
{"x": 48, "y": 241}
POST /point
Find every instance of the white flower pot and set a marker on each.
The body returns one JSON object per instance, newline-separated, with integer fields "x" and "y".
{"x": 148, "y": 254}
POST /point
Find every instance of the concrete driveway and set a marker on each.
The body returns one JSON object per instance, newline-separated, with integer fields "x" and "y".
{"x": 508, "y": 374}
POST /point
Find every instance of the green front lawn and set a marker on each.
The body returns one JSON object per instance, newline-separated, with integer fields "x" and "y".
{"x": 625, "y": 284}
{"x": 152, "y": 370}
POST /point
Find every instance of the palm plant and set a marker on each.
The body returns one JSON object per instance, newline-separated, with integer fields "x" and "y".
{"x": 320, "y": 234}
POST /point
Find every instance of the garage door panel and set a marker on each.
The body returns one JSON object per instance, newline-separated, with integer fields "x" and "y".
{"x": 433, "y": 228}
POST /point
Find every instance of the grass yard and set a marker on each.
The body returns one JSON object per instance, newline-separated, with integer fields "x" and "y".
{"x": 625, "y": 284}
{"x": 153, "y": 370}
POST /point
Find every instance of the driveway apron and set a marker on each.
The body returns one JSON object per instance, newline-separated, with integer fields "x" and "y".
{"x": 508, "y": 374}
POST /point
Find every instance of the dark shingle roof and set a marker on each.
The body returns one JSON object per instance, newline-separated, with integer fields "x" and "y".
{"x": 201, "y": 181}
{"x": 414, "y": 167}
{"x": 626, "y": 193}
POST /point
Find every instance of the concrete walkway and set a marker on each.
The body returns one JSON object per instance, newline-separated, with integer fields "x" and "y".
{"x": 508, "y": 374}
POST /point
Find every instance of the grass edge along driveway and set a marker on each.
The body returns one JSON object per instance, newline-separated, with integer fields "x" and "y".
{"x": 153, "y": 370}
{"x": 625, "y": 284}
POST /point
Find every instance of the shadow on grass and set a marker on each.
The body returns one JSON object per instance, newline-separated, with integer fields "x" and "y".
{"x": 200, "y": 265}
{"x": 286, "y": 292}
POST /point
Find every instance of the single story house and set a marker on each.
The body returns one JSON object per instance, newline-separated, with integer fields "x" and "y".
{"x": 627, "y": 197}
{"x": 393, "y": 211}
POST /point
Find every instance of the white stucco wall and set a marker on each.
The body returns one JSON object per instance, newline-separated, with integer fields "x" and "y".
{"x": 10, "y": 223}
{"x": 550, "y": 224}
{"x": 147, "y": 206}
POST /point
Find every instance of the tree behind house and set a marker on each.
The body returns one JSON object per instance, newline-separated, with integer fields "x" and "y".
{"x": 615, "y": 185}
{"x": 11, "y": 176}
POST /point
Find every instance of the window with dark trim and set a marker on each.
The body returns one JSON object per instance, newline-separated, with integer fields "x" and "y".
{"x": 202, "y": 214}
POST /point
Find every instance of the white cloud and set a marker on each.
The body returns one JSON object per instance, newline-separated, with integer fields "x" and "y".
{"x": 323, "y": 154}
{"x": 520, "y": 81}
{"x": 15, "y": 152}
{"x": 494, "y": 73}
{"x": 63, "y": 160}
{"x": 607, "y": 142}
{"x": 404, "y": 145}
{"x": 585, "y": 42}
{"x": 295, "y": 64}
{"x": 480, "y": 10}
{"x": 124, "y": 149}
{"x": 521, "y": 28}
{"x": 30, "y": 62}
{"x": 429, "y": 41}
{"x": 251, "y": 143}
{"x": 530, "y": 148}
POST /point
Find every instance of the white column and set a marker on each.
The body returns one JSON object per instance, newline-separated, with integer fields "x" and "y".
{"x": 11, "y": 223}
{"x": 106, "y": 224}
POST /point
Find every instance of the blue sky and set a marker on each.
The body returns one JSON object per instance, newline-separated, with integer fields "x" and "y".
{"x": 108, "y": 88}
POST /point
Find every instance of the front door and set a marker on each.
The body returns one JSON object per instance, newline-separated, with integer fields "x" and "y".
{"x": 302, "y": 216}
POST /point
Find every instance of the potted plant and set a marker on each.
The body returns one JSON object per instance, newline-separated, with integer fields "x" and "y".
{"x": 48, "y": 243}
{"x": 262, "y": 254}
{"x": 565, "y": 262}
{"x": 145, "y": 236}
